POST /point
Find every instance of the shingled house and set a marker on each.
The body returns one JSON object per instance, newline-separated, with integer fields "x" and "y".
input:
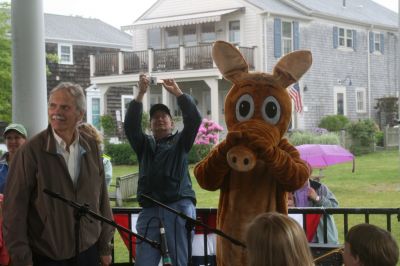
{"x": 74, "y": 39}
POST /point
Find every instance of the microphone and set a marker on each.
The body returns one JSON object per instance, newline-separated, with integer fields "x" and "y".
{"x": 166, "y": 259}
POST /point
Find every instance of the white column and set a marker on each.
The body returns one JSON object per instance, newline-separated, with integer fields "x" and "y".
{"x": 165, "y": 96}
{"x": 213, "y": 84}
{"x": 29, "y": 89}
{"x": 92, "y": 65}
{"x": 120, "y": 63}
{"x": 103, "y": 101}
{"x": 181, "y": 57}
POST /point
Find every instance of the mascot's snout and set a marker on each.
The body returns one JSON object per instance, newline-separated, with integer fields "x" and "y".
{"x": 241, "y": 158}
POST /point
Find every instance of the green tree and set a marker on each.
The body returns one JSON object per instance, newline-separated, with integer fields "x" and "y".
{"x": 5, "y": 63}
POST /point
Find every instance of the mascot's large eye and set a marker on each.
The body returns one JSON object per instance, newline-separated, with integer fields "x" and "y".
{"x": 271, "y": 110}
{"x": 244, "y": 108}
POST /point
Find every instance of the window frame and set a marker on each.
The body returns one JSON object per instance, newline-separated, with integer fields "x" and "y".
{"x": 233, "y": 33}
{"x": 123, "y": 110}
{"x": 345, "y": 38}
{"x": 377, "y": 40}
{"x": 60, "y": 54}
{"x": 363, "y": 109}
{"x": 283, "y": 38}
{"x": 339, "y": 90}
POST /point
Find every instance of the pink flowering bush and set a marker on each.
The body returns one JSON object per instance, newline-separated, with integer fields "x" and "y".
{"x": 208, "y": 132}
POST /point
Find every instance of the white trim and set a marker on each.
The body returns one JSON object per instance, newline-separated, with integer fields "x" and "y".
{"x": 123, "y": 98}
{"x": 71, "y": 54}
{"x": 336, "y": 91}
{"x": 183, "y": 19}
{"x": 364, "y": 99}
{"x": 346, "y": 37}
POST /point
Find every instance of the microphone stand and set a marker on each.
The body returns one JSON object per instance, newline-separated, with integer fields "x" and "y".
{"x": 190, "y": 223}
{"x": 82, "y": 210}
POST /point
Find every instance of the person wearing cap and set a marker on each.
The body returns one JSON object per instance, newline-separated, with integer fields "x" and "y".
{"x": 15, "y": 135}
{"x": 39, "y": 229}
{"x": 163, "y": 172}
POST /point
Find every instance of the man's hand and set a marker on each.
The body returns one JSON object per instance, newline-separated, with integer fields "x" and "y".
{"x": 312, "y": 194}
{"x": 143, "y": 83}
{"x": 105, "y": 260}
{"x": 171, "y": 86}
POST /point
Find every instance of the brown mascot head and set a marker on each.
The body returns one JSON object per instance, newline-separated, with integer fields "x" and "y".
{"x": 258, "y": 104}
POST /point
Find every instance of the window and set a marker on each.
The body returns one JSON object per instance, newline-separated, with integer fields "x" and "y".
{"x": 65, "y": 54}
{"x": 339, "y": 104}
{"x": 125, "y": 100}
{"x": 189, "y": 35}
{"x": 234, "y": 32}
{"x": 377, "y": 41}
{"x": 171, "y": 37}
{"x": 96, "y": 112}
{"x": 154, "y": 38}
{"x": 345, "y": 38}
{"x": 361, "y": 100}
{"x": 287, "y": 37}
{"x": 208, "y": 32}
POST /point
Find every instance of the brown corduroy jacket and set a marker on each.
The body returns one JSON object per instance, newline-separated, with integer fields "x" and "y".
{"x": 36, "y": 222}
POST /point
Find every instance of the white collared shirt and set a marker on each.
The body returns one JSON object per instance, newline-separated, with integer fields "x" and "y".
{"x": 72, "y": 157}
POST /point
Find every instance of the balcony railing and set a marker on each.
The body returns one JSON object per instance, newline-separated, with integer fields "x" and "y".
{"x": 159, "y": 60}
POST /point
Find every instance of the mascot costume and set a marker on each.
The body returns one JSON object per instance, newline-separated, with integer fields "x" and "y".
{"x": 254, "y": 166}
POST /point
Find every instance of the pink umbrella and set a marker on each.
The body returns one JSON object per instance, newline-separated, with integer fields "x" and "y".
{"x": 322, "y": 155}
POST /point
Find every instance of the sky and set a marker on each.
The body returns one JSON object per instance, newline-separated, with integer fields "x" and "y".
{"x": 123, "y": 12}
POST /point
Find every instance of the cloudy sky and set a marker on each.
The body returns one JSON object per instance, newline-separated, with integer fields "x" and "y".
{"x": 123, "y": 12}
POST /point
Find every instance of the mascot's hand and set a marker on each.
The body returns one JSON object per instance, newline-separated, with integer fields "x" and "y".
{"x": 232, "y": 139}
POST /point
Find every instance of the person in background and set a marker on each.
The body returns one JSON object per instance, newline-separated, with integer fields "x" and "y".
{"x": 163, "y": 172}
{"x": 40, "y": 229}
{"x": 315, "y": 194}
{"x": 15, "y": 135}
{"x": 369, "y": 245}
{"x": 276, "y": 239}
{"x": 91, "y": 131}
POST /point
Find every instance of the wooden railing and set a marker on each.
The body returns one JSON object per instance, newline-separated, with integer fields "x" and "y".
{"x": 135, "y": 62}
{"x": 159, "y": 60}
{"x": 106, "y": 64}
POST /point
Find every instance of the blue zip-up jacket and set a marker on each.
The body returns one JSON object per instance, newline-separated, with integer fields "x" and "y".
{"x": 163, "y": 165}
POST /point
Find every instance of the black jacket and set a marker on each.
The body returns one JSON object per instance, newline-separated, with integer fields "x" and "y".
{"x": 163, "y": 166}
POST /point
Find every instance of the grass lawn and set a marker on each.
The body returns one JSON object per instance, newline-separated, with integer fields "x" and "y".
{"x": 374, "y": 184}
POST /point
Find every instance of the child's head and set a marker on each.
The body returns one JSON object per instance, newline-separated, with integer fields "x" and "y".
{"x": 276, "y": 239}
{"x": 369, "y": 245}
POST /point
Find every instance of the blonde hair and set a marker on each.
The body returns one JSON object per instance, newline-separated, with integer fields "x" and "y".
{"x": 91, "y": 131}
{"x": 274, "y": 239}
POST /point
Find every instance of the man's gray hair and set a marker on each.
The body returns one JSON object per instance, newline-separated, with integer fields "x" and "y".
{"x": 76, "y": 91}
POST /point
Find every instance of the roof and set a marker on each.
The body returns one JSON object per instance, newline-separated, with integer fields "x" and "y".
{"x": 362, "y": 11}
{"x": 84, "y": 31}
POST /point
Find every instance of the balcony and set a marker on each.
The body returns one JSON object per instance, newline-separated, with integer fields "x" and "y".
{"x": 159, "y": 60}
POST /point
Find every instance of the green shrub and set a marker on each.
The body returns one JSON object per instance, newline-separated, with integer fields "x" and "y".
{"x": 305, "y": 137}
{"x": 379, "y": 138}
{"x": 198, "y": 152}
{"x": 121, "y": 154}
{"x": 363, "y": 136}
{"x": 334, "y": 123}
{"x": 107, "y": 123}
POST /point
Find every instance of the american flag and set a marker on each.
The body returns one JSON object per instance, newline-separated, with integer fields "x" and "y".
{"x": 294, "y": 93}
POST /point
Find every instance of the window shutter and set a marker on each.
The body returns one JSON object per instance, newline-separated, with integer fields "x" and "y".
{"x": 382, "y": 43}
{"x": 354, "y": 40}
{"x": 277, "y": 37}
{"x": 296, "y": 36}
{"x": 371, "y": 42}
{"x": 335, "y": 37}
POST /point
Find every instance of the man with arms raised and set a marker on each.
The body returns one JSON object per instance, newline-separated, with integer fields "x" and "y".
{"x": 39, "y": 229}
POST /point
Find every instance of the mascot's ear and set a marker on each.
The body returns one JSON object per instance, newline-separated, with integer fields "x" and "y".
{"x": 292, "y": 66}
{"x": 229, "y": 61}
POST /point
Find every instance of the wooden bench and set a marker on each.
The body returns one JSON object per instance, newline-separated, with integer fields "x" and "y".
{"x": 125, "y": 189}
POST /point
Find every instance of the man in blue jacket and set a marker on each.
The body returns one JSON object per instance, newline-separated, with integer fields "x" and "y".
{"x": 163, "y": 171}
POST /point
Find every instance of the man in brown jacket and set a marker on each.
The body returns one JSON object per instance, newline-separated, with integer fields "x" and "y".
{"x": 39, "y": 229}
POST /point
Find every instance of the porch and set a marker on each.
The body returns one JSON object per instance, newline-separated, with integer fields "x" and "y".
{"x": 160, "y": 60}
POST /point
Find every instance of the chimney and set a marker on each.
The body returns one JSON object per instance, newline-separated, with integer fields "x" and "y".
{"x": 344, "y": 3}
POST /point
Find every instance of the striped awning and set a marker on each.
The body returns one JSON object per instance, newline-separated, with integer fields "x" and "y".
{"x": 183, "y": 19}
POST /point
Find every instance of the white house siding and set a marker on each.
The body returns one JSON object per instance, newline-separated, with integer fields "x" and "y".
{"x": 139, "y": 37}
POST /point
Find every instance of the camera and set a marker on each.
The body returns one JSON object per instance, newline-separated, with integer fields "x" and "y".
{"x": 153, "y": 80}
